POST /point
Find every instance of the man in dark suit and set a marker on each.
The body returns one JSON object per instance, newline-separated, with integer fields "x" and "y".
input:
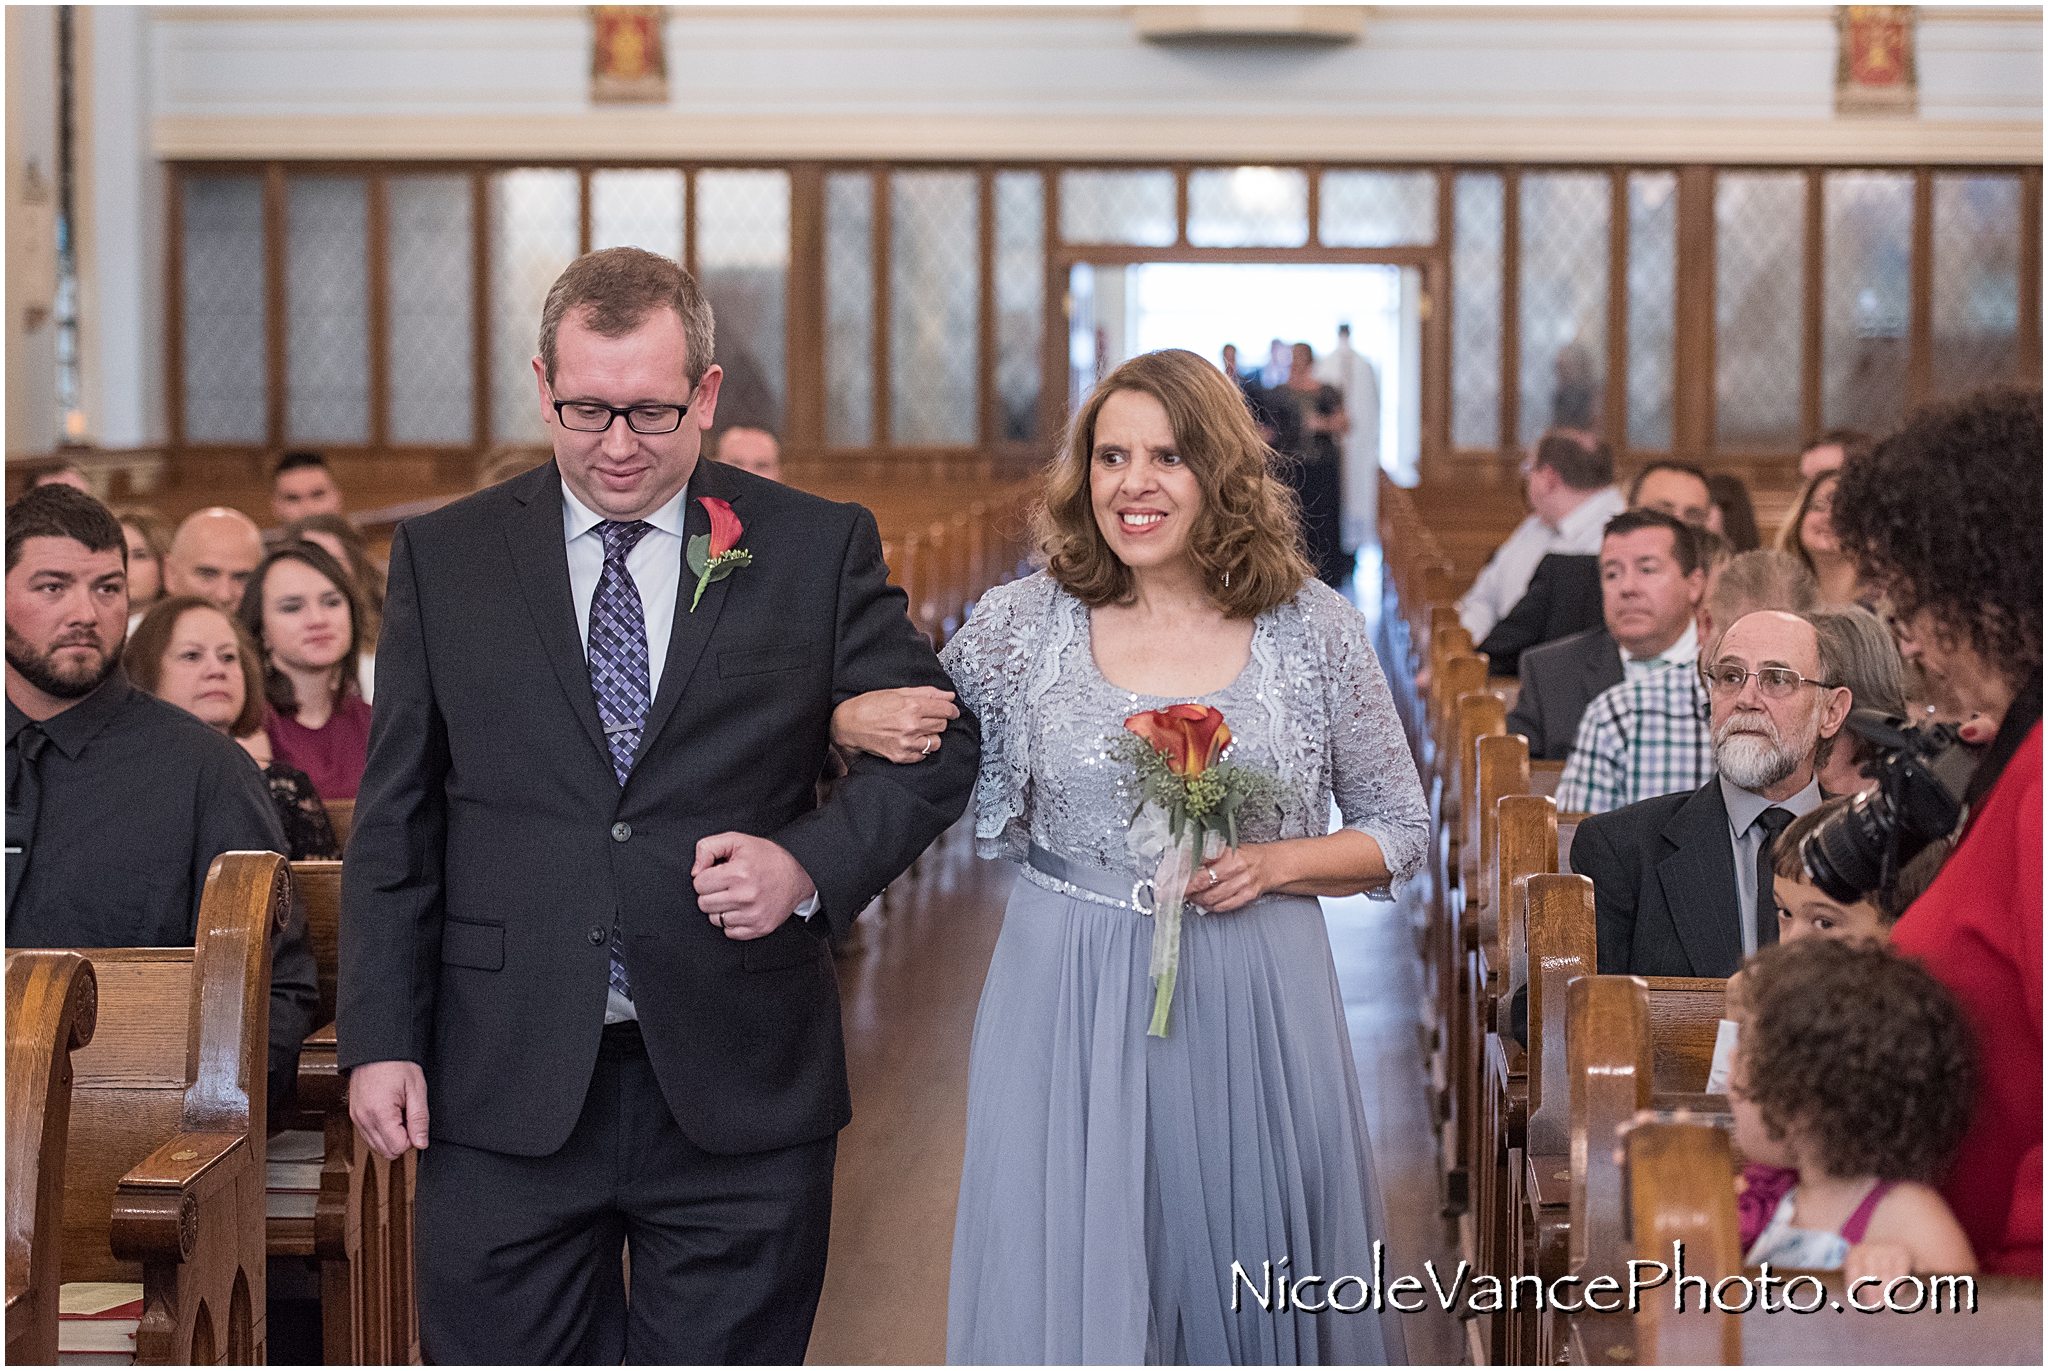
{"x": 589, "y": 890}
{"x": 1563, "y": 598}
{"x": 1675, "y": 879}
{"x": 1650, "y": 587}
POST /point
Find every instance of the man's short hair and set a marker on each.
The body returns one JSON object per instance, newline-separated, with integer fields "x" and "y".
{"x": 1580, "y": 460}
{"x": 1857, "y": 651}
{"x": 1684, "y": 548}
{"x": 1635, "y": 487}
{"x": 1714, "y": 550}
{"x": 717, "y": 439}
{"x": 1854, "y": 443}
{"x": 293, "y": 461}
{"x": 617, "y": 289}
{"x": 1763, "y": 579}
{"x": 58, "y": 511}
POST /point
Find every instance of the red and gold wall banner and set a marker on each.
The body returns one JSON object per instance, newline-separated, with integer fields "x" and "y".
{"x": 628, "y": 62}
{"x": 1874, "y": 67}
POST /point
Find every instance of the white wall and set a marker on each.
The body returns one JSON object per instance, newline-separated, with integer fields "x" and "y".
{"x": 31, "y": 136}
{"x": 121, "y": 244}
{"x": 1461, "y": 82}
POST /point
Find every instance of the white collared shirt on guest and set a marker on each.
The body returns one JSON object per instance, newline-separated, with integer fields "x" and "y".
{"x": 1505, "y": 579}
{"x": 656, "y": 566}
{"x": 1683, "y": 653}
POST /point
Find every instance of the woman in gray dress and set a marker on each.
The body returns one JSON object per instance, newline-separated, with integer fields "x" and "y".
{"x": 1112, "y": 1180}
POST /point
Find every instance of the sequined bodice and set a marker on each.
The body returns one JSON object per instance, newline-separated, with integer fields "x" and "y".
{"x": 1310, "y": 708}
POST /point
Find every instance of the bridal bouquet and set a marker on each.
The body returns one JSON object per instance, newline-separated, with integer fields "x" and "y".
{"x": 1190, "y": 797}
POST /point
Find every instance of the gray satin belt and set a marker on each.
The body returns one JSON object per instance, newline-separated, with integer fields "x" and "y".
{"x": 1120, "y": 888}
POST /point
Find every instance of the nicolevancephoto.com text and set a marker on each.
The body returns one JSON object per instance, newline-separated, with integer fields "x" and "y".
{"x": 1275, "y": 1289}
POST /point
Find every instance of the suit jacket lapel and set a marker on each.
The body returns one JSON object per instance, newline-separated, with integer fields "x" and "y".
{"x": 692, "y": 629}
{"x": 541, "y": 560}
{"x": 1699, "y": 883}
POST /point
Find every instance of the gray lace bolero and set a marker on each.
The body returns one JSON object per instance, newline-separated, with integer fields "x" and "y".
{"x": 1311, "y": 708}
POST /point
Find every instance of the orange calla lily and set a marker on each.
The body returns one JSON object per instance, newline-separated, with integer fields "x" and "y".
{"x": 725, "y": 525}
{"x": 1191, "y": 736}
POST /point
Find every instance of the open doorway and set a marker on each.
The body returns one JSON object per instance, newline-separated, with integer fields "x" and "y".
{"x": 1120, "y": 311}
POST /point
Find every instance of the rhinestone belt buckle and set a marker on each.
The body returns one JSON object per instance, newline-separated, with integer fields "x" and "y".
{"x": 1144, "y": 897}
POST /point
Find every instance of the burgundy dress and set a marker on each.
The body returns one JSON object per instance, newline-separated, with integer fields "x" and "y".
{"x": 333, "y": 755}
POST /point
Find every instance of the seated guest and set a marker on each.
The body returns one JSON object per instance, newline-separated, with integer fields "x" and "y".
{"x": 68, "y": 474}
{"x": 211, "y": 556}
{"x": 1650, "y": 736}
{"x": 301, "y": 486}
{"x": 347, "y": 545}
{"x": 1733, "y": 516}
{"x": 301, "y": 609}
{"x": 1572, "y": 496}
{"x": 149, "y": 543}
{"x": 1676, "y": 879}
{"x": 501, "y": 464}
{"x": 750, "y": 449}
{"x": 1809, "y": 535}
{"x": 1945, "y": 518}
{"x": 1876, "y": 677}
{"x": 1563, "y": 598}
{"x": 1679, "y": 489}
{"x": 189, "y": 654}
{"x": 117, "y": 803}
{"x": 1850, "y": 1091}
{"x": 1836, "y": 446}
{"x": 1651, "y": 582}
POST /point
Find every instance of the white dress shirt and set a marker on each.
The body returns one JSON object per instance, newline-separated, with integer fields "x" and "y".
{"x": 1746, "y": 836}
{"x": 1505, "y": 579}
{"x": 656, "y": 566}
{"x": 1684, "y": 653}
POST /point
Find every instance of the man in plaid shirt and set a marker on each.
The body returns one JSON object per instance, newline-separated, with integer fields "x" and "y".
{"x": 1649, "y": 736}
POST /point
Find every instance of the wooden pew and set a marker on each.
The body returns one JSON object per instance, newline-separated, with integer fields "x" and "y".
{"x": 164, "y": 1177}
{"x": 342, "y": 814}
{"x": 361, "y": 1226}
{"x": 52, "y": 1000}
{"x": 1682, "y": 1190}
{"x": 1544, "y": 776}
{"x": 1480, "y": 715}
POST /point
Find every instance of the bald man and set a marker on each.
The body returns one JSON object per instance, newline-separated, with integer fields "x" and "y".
{"x": 752, "y": 449}
{"x": 212, "y": 556}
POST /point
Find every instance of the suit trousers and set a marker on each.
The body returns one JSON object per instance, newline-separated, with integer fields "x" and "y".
{"x": 519, "y": 1257}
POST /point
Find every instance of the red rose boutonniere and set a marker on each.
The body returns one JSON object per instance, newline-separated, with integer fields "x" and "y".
{"x": 713, "y": 555}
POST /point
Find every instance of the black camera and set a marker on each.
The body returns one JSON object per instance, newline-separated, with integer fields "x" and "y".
{"x": 1921, "y": 775}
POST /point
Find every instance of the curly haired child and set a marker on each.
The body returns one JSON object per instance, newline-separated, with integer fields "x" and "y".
{"x": 1854, "y": 1074}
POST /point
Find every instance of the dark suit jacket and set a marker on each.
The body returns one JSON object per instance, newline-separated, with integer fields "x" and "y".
{"x": 1664, "y": 892}
{"x": 1558, "y": 681}
{"x": 1563, "y": 598}
{"x": 493, "y": 847}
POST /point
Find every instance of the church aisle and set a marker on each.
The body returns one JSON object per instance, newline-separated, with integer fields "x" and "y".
{"x": 909, "y": 997}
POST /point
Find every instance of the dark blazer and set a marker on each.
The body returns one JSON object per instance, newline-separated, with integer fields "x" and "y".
{"x": 1558, "y": 681}
{"x": 1563, "y": 598}
{"x": 1664, "y": 892}
{"x": 493, "y": 847}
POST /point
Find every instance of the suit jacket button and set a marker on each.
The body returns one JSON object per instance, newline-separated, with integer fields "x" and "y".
{"x": 596, "y": 935}
{"x": 621, "y": 832}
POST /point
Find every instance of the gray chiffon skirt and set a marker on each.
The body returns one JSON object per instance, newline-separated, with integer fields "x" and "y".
{"x": 1111, "y": 1179}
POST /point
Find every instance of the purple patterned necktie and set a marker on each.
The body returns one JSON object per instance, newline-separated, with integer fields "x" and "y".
{"x": 618, "y": 672}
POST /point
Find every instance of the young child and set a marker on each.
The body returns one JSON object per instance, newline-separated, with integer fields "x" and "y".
{"x": 1806, "y": 911}
{"x": 1851, "y": 1089}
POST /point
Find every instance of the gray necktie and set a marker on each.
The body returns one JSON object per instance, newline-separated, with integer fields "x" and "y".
{"x": 1772, "y": 821}
{"x": 618, "y": 672}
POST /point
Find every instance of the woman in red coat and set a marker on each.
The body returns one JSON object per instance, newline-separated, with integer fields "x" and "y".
{"x": 1946, "y": 515}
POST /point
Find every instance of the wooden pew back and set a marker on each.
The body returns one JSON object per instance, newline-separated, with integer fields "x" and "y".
{"x": 1528, "y": 847}
{"x": 1685, "y": 1015}
{"x": 1607, "y": 1021}
{"x": 342, "y": 814}
{"x": 1503, "y": 767}
{"x": 52, "y": 1003}
{"x": 1682, "y": 1189}
{"x": 1563, "y": 946}
{"x": 1481, "y": 715}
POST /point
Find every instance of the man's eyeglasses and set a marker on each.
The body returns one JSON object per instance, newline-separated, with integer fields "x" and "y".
{"x": 1776, "y": 682}
{"x": 587, "y": 416}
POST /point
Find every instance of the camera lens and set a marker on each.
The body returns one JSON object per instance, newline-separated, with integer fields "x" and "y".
{"x": 1845, "y": 855}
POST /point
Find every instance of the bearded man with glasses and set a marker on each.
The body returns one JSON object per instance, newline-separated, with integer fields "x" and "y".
{"x": 1676, "y": 879}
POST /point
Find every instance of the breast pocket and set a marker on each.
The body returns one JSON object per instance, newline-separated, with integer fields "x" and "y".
{"x": 760, "y": 661}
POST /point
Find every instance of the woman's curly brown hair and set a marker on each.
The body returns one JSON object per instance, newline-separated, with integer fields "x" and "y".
{"x": 1249, "y": 526}
{"x": 1863, "y": 1051}
{"x": 1946, "y": 514}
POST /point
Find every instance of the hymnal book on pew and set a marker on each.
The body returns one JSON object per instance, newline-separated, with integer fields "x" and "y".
{"x": 292, "y": 1173}
{"x": 96, "y": 1323}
